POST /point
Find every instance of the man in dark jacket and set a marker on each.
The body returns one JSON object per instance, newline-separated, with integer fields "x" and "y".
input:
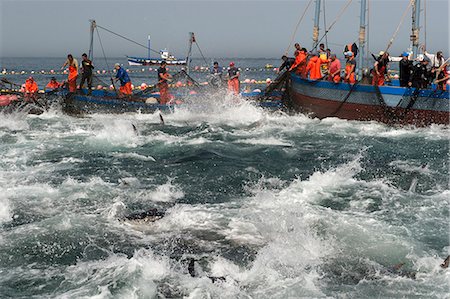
{"x": 405, "y": 67}
{"x": 420, "y": 75}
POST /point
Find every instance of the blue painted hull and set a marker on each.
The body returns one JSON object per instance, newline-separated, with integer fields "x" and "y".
{"x": 392, "y": 105}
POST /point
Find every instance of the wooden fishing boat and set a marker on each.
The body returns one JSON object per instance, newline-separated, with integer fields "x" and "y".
{"x": 103, "y": 101}
{"x": 387, "y": 104}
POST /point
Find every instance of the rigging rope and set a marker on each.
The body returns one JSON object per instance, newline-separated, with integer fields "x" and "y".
{"x": 126, "y": 38}
{"x": 296, "y": 27}
{"x": 103, "y": 50}
{"x": 201, "y": 53}
{"x": 335, "y": 21}
{"x": 398, "y": 27}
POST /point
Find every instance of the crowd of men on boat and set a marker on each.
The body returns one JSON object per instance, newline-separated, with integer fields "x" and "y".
{"x": 30, "y": 88}
{"x": 324, "y": 65}
{"x": 313, "y": 65}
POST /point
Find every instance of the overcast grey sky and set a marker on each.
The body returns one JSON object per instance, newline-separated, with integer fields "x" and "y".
{"x": 223, "y": 28}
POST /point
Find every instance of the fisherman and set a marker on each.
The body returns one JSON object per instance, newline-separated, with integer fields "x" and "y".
{"x": 300, "y": 64}
{"x": 72, "y": 63}
{"x": 31, "y": 89}
{"x": 323, "y": 56}
{"x": 125, "y": 82}
{"x": 53, "y": 84}
{"x": 287, "y": 63}
{"x": 438, "y": 68}
{"x": 380, "y": 68}
{"x": 163, "y": 78}
{"x": 233, "y": 79}
{"x": 313, "y": 67}
{"x": 334, "y": 73}
{"x": 86, "y": 72}
{"x": 405, "y": 67}
{"x": 216, "y": 75}
{"x": 420, "y": 75}
{"x": 297, "y": 49}
{"x": 216, "y": 69}
{"x": 350, "y": 67}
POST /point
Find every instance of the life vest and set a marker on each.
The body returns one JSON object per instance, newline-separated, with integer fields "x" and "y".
{"x": 31, "y": 86}
{"x": 53, "y": 85}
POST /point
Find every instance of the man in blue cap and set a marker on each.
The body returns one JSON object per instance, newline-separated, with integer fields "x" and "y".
{"x": 405, "y": 67}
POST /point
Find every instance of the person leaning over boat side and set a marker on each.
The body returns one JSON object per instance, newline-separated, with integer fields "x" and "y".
{"x": 300, "y": 64}
{"x": 380, "y": 68}
{"x": 420, "y": 75}
{"x": 31, "y": 88}
{"x": 334, "y": 68}
{"x": 163, "y": 78}
{"x": 287, "y": 63}
{"x": 438, "y": 68}
{"x": 53, "y": 84}
{"x": 405, "y": 66}
{"x": 125, "y": 82}
{"x": 233, "y": 79}
{"x": 350, "y": 67}
{"x": 72, "y": 63}
{"x": 86, "y": 72}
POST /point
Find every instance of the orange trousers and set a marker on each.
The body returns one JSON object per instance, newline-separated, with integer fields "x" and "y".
{"x": 233, "y": 86}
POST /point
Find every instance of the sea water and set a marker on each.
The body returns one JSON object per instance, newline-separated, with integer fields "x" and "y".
{"x": 281, "y": 206}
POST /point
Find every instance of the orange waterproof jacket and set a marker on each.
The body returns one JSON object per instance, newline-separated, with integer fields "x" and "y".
{"x": 31, "y": 86}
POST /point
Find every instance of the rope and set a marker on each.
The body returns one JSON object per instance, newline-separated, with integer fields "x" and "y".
{"x": 398, "y": 27}
{"x": 296, "y": 27}
{"x": 325, "y": 23}
{"x": 201, "y": 53}
{"x": 103, "y": 50}
{"x": 126, "y": 38}
{"x": 335, "y": 21}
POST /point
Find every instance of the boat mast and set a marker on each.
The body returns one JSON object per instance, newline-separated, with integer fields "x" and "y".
{"x": 362, "y": 38}
{"x": 148, "y": 43}
{"x": 188, "y": 59}
{"x": 316, "y": 25}
{"x": 415, "y": 27}
{"x": 91, "y": 44}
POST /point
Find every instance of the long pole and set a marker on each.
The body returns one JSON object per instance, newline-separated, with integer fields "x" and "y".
{"x": 188, "y": 58}
{"x": 362, "y": 38}
{"x": 91, "y": 43}
{"x": 415, "y": 27}
{"x": 148, "y": 42}
{"x": 316, "y": 24}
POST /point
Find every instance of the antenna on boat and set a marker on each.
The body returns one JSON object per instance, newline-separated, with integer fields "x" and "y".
{"x": 91, "y": 44}
{"x": 362, "y": 38}
{"x": 316, "y": 25}
{"x": 415, "y": 27}
{"x": 188, "y": 59}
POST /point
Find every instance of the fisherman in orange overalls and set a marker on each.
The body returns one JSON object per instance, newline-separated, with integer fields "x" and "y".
{"x": 53, "y": 84}
{"x": 380, "y": 68}
{"x": 300, "y": 63}
{"x": 163, "y": 78}
{"x": 233, "y": 79}
{"x": 350, "y": 67}
{"x": 31, "y": 88}
{"x": 73, "y": 72}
